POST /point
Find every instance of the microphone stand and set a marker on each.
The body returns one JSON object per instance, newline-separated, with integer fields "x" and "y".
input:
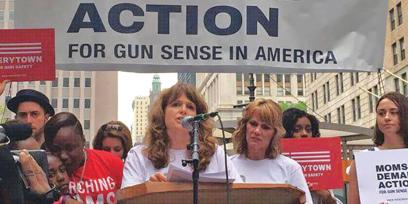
{"x": 195, "y": 158}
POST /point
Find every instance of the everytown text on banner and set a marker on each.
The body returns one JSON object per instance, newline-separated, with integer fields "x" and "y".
{"x": 212, "y": 36}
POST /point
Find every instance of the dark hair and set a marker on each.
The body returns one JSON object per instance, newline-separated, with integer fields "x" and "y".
{"x": 115, "y": 129}
{"x": 157, "y": 140}
{"x": 271, "y": 113}
{"x": 292, "y": 115}
{"x": 402, "y": 103}
{"x": 58, "y": 121}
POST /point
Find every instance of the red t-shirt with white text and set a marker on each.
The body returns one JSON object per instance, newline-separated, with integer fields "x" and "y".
{"x": 102, "y": 178}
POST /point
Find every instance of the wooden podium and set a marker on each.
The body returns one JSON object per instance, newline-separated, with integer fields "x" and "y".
{"x": 180, "y": 193}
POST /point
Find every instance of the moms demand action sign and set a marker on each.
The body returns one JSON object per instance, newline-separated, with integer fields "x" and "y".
{"x": 212, "y": 36}
{"x": 27, "y": 54}
{"x": 382, "y": 176}
{"x": 320, "y": 159}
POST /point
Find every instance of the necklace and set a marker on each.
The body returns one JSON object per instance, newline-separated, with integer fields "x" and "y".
{"x": 77, "y": 197}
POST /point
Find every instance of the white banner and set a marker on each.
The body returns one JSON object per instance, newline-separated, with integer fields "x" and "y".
{"x": 212, "y": 36}
{"x": 383, "y": 176}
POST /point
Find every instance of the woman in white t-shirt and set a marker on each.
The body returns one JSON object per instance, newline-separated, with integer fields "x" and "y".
{"x": 391, "y": 132}
{"x": 166, "y": 139}
{"x": 257, "y": 141}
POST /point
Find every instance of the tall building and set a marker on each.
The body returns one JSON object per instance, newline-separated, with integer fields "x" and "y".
{"x": 140, "y": 107}
{"x": 187, "y": 77}
{"x": 156, "y": 88}
{"x": 350, "y": 97}
{"x": 224, "y": 91}
{"x": 91, "y": 96}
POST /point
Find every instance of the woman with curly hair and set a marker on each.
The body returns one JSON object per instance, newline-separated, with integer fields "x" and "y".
{"x": 166, "y": 139}
{"x": 299, "y": 124}
{"x": 257, "y": 143}
{"x": 114, "y": 137}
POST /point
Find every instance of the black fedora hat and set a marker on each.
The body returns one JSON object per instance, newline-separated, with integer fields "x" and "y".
{"x": 30, "y": 95}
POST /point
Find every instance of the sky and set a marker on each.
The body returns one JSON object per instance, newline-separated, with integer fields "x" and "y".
{"x": 136, "y": 84}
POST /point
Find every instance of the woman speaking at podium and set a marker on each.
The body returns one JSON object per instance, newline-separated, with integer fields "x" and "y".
{"x": 257, "y": 142}
{"x": 166, "y": 139}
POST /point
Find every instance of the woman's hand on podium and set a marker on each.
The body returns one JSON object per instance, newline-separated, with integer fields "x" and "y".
{"x": 158, "y": 177}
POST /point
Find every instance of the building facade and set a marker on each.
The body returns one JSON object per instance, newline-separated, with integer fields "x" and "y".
{"x": 140, "y": 107}
{"x": 350, "y": 98}
{"x": 91, "y": 96}
{"x": 224, "y": 91}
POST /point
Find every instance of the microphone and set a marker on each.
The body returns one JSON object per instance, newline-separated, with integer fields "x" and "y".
{"x": 187, "y": 121}
{"x": 14, "y": 132}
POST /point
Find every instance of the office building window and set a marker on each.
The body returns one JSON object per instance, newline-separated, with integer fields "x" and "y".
{"x": 394, "y": 53}
{"x": 339, "y": 83}
{"x": 370, "y": 101}
{"x": 246, "y": 84}
{"x": 55, "y": 82}
{"x": 267, "y": 84}
{"x": 300, "y": 85}
{"x": 328, "y": 90}
{"x": 42, "y": 83}
{"x": 338, "y": 115}
{"x": 375, "y": 91}
{"x": 397, "y": 85}
{"x": 392, "y": 19}
{"x": 77, "y": 82}
{"x": 87, "y": 103}
{"x": 258, "y": 84}
{"x": 279, "y": 83}
{"x": 402, "y": 48}
{"x": 316, "y": 101}
{"x": 54, "y": 103}
{"x": 65, "y": 82}
{"x": 87, "y": 124}
{"x": 404, "y": 84}
{"x": 351, "y": 78}
{"x": 87, "y": 82}
{"x": 287, "y": 85}
{"x": 313, "y": 103}
{"x": 328, "y": 118}
{"x": 64, "y": 103}
{"x": 358, "y": 107}
{"x": 399, "y": 13}
{"x": 324, "y": 94}
{"x": 238, "y": 78}
{"x": 76, "y": 102}
{"x": 353, "y": 106}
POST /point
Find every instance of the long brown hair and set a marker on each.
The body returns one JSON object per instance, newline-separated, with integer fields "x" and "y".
{"x": 270, "y": 113}
{"x": 157, "y": 140}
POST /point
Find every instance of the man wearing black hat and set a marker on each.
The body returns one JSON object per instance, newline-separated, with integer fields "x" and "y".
{"x": 32, "y": 107}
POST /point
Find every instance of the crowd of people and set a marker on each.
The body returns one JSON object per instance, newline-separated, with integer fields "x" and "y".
{"x": 83, "y": 175}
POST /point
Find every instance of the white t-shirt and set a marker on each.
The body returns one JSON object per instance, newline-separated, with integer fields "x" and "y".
{"x": 279, "y": 170}
{"x": 139, "y": 168}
